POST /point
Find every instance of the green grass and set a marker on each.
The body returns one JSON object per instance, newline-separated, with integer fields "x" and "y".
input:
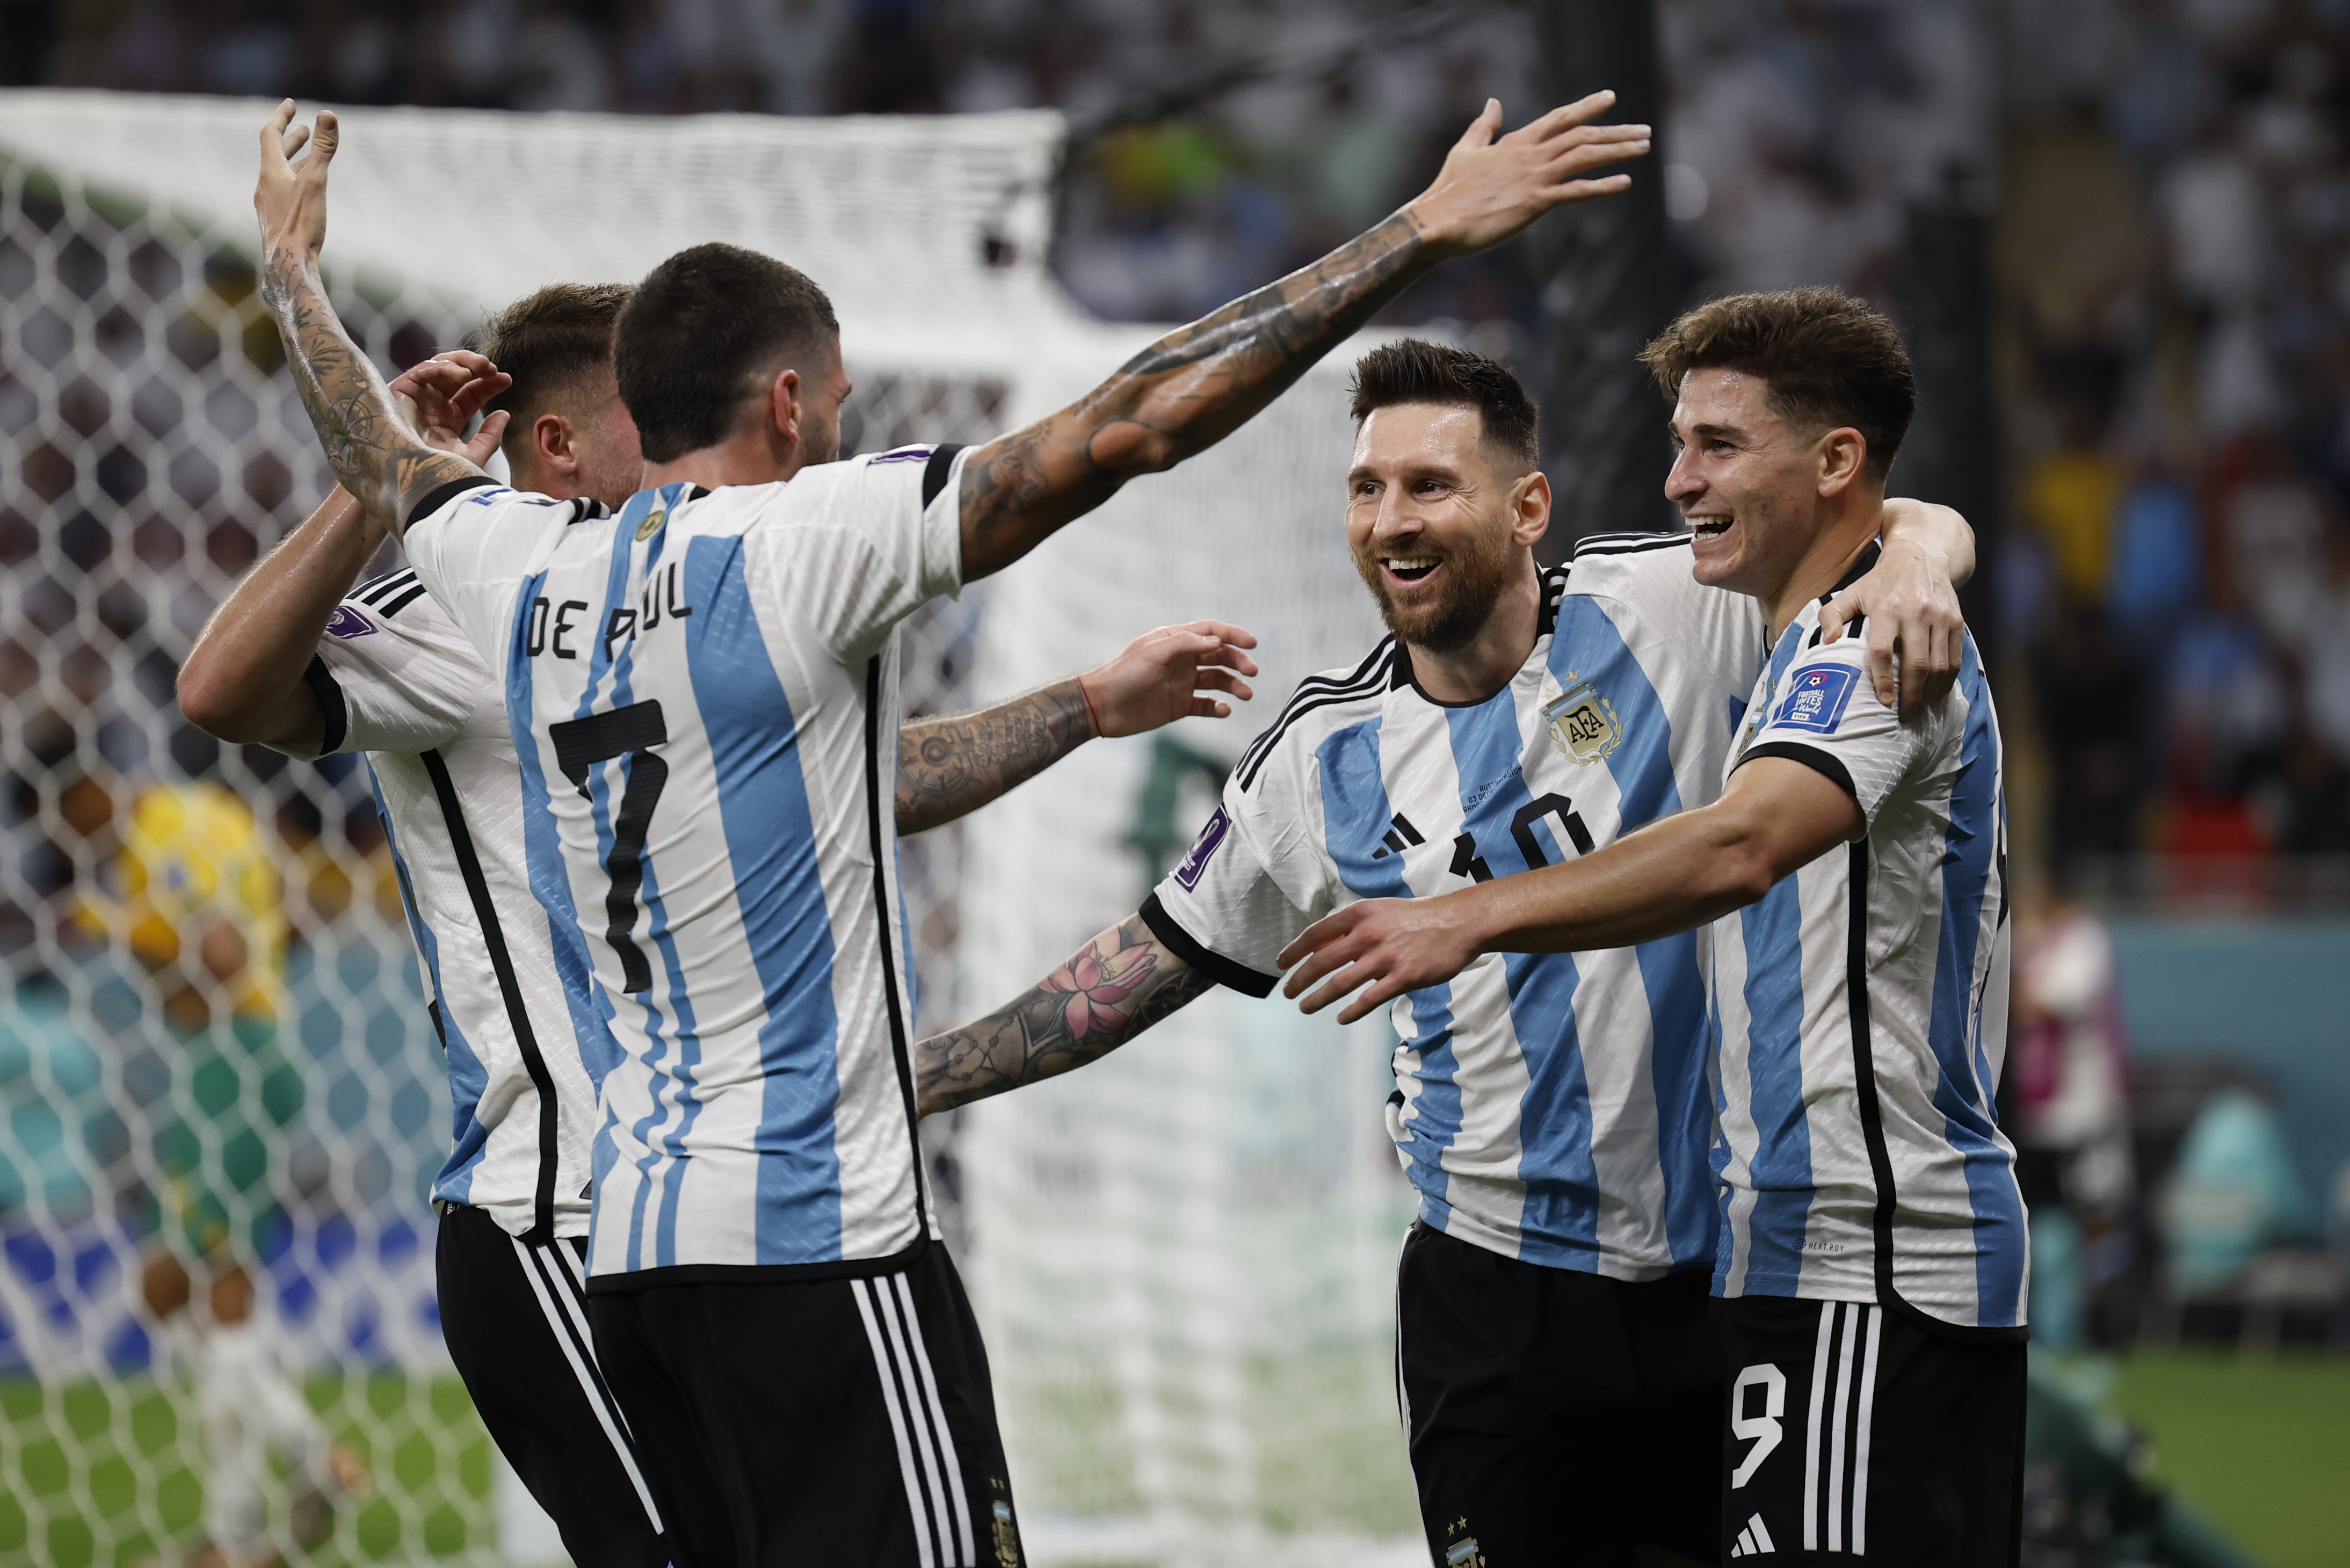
{"x": 92, "y": 1474}
{"x": 2261, "y": 1444}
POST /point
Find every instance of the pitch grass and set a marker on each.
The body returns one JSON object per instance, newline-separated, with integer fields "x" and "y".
{"x": 93, "y": 1475}
{"x": 2260, "y": 1443}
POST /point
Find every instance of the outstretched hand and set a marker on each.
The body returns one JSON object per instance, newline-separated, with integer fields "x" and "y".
{"x": 291, "y": 199}
{"x": 1393, "y": 944}
{"x": 1493, "y": 185}
{"x": 441, "y": 395}
{"x": 1162, "y": 676}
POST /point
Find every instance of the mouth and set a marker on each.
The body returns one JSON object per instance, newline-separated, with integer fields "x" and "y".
{"x": 1711, "y": 527}
{"x": 1408, "y": 568}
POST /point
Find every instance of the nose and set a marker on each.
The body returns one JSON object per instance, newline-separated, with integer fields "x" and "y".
{"x": 1682, "y": 481}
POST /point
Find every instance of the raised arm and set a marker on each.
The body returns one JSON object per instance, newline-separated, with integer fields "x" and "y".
{"x": 244, "y": 681}
{"x": 1774, "y": 816}
{"x": 948, "y": 767}
{"x": 1111, "y": 989}
{"x": 384, "y": 464}
{"x": 1195, "y": 386}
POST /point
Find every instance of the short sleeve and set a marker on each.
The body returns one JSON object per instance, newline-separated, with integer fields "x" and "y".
{"x": 1249, "y": 885}
{"x": 1826, "y": 714}
{"x": 393, "y": 673}
{"x": 855, "y": 547}
{"x": 472, "y": 543}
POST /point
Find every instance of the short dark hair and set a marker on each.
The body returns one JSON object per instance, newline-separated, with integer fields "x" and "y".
{"x": 1825, "y": 360}
{"x": 1412, "y": 370}
{"x": 701, "y": 326}
{"x": 548, "y": 342}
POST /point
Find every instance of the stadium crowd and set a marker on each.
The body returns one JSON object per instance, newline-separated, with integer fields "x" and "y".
{"x": 2171, "y": 198}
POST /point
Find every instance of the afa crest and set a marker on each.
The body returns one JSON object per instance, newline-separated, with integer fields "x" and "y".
{"x": 1461, "y": 1549}
{"x": 1582, "y": 723}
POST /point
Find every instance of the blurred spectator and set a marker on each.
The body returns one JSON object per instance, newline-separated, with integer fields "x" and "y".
{"x": 2066, "y": 1102}
{"x": 2071, "y": 495}
{"x": 2157, "y": 558}
{"x": 2232, "y": 1194}
{"x": 2093, "y": 705}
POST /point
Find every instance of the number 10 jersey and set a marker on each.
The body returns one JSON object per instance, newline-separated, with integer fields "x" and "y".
{"x": 1551, "y": 1108}
{"x": 704, "y": 693}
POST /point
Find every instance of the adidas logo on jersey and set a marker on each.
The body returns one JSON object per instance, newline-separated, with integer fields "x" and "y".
{"x": 1753, "y": 1540}
{"x": 1399, "y": 833}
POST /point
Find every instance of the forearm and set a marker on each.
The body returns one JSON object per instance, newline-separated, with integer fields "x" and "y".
{"x": 1179, "y": 395}
{"x": 1111, "y": 989}
{"x": 242, "y": 681}
{"x": 1937, "y": 529}
{"x": 374, "y": 454}
{"x": 950, "y": 767}
{"x": 1670, "y": 877}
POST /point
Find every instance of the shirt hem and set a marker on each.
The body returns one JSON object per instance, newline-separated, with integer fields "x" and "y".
{"x": 1462, "y": 1226}
{"x": 753, "y": 1273}
{"x": 1899, "y": 1306}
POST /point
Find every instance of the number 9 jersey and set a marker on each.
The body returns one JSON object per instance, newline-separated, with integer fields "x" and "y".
{"x": 704, "y": 693}
{"x": 1549, "y": 1107}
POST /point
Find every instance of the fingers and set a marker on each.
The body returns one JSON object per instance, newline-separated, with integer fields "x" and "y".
{"x": 1208, "y": 707}
{"x": 294, "y": 139}
{"x": 1486, "y": 126}
{"x": 1586, "y": 190}
{"x": 1832, "y": 617}
{"x": 273, "y": 135}
{"x": 322, "y": 144}
{"x": 1567, "y": 116}
{"x": 1883, "y": 671}
{"x": 485, "y": 440}
{"x": 1208, "y": 678}
{"x": 1329, "y": 929}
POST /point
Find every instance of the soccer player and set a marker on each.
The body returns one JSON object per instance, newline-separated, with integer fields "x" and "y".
{"x": 1561, "y": 1393}
{"x": 1873, "y": 1260}
{"x": 190, "y": 892}
{"x": 292, "y": 662}
{"x": 699, "y": 689}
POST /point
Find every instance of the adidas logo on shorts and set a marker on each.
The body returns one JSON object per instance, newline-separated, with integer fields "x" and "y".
{"x": 1753, "y": 1539}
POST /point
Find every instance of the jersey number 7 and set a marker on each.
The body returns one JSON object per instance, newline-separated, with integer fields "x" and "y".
{"x": 581, "y": 744}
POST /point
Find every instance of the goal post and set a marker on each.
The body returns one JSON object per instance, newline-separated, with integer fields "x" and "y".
{"x": 1183, "y": 1256}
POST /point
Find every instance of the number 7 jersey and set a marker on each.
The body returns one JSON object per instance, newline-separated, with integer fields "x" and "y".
{"x": 704, "y": 693}
{"x": 1551, "y": 1108}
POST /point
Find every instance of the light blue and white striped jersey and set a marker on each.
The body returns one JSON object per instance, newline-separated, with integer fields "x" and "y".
{"x": 1862, "y": 1006}
{"x": 704, "y": 693}
{"x": 1550, "y": 1106}
{"x": 525, "y": 1033}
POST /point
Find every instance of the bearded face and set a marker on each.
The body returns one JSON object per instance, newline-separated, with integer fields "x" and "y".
{"x": 1431, "y": 521}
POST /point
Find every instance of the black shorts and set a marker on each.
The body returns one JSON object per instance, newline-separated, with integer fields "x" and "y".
{"x": 841, "y": 1420}
{"x": 1856, "y": 1431}
{"x": 1555, "y": 1417}
{"x": 515, "y": 1318}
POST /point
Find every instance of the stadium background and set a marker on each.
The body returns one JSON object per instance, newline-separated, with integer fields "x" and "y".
{"x": 2118, "y": 233}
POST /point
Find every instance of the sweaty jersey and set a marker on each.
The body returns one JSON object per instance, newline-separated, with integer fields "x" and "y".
{"x": 1862, "y": 1006}
{"x": 1551, "y": 1108}
{"x": 527, "y": 1041}
{"x": 704, "y": 690}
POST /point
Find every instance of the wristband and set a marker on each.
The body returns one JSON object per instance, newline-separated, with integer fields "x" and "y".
{"x": 1087, "y": 699}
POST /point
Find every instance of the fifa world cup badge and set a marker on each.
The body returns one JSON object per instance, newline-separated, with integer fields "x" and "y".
{"x": 651, "y": 524}
{"x": 1583, "y": 724}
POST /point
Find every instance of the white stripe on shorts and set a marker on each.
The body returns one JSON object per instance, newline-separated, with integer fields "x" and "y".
{"x": 569, "y": 1325}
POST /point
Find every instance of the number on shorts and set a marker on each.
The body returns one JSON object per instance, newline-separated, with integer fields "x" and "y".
{"x": 1764, "y": 1430}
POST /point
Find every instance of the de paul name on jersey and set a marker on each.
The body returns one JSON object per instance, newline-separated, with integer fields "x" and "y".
{"x": 561, "y": 628}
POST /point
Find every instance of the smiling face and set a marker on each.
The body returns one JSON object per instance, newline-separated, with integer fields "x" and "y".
{"x": 1437, "y": 527}
{"x": 1749, "y": 483}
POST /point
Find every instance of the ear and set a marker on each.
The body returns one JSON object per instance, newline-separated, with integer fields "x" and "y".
{"x": 1530, "y": 498}
{"x": 783, "y": 406}
{"x": 1844, "y": 452}
{"x": 551, "y": 445}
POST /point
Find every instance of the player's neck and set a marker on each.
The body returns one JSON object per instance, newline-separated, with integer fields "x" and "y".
{"x": 1848, "y": 525}
{"x": 1491, "y": 658}
{"x": 744, "y": 458}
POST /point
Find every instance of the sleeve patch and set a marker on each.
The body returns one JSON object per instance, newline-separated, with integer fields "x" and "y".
{"x": 1203, "y": 849}
{"x": 347, "y": 622}
{"x": 1816, "y": 698}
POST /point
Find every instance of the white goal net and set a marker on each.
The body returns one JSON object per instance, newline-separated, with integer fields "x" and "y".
{"x": 1183, "y": 1256}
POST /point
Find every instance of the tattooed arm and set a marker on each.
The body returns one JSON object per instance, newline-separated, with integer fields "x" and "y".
{"x": 1111, "y": 989}
{"x": 948, "y": 767}
{"x": 383, "y": 464}
{"x": 1198, "y": 384}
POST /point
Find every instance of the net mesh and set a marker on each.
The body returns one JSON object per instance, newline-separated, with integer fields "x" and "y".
{"x": 212, "y": 1039}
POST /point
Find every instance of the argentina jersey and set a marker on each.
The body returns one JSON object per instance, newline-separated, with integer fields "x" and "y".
{"x": 523, "y": 1032}
{"x": 703, "y": 691}
{"x": 1862, "y": 1007}
{"x": 1551, "y": 1108}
